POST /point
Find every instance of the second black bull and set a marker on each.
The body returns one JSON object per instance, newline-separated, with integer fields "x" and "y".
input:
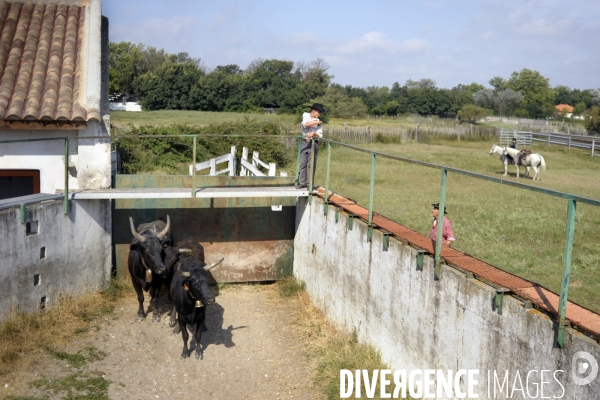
{"x": 190, "y": 294}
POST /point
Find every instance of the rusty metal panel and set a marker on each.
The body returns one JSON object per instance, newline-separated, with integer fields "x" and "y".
{"x": 256, "y": 242}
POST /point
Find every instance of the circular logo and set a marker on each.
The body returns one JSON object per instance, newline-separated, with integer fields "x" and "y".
{"x": 584, "y": 368}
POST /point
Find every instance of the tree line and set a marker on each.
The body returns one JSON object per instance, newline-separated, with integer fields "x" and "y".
{"x": 180, "y": 82}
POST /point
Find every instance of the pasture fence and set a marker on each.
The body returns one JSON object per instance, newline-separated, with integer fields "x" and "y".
{"x": 401, "y": 133}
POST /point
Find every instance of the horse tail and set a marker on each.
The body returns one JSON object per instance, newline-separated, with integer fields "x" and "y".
{"x": 542, "y": 163}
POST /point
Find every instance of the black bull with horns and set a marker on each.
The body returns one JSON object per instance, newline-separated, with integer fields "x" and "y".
{"x": 146, "y": 262}
{"x": 190, "y": 295}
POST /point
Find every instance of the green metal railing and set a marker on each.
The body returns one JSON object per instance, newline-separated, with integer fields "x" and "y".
{"x": 110, "y": 138}
{"x": 571, "y": 209}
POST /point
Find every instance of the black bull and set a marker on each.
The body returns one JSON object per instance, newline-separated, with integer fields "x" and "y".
{"x": 146, "y": 262}
{"x": 190, "y": 295}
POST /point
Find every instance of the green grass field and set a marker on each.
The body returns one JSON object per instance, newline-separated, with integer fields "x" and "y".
{"x": 199, "y": 118}
{"x": 517, "y": 230}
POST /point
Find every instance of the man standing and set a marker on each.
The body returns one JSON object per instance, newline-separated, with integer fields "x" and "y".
{"x": 312, "y": 127}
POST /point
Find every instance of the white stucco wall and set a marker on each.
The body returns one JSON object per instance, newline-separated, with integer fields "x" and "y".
{"x": 89, "y": 159}
{"x": 417, "y": 322}
{"x": 77, "y": 247}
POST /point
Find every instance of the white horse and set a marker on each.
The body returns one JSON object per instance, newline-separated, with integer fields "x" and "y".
{"x": 534, "y": 160}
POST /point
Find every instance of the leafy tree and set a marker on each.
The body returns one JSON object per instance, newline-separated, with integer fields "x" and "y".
{"x": 502, "y": 101}
{"x": 498, "y": 83}
{"x": 170, "y": 88}
{"x": 271, "y": 83}
{"x": 592, "y": 121}
{"x": 579, "y": 108}
{"x": 125, "y": 62}
{"x": 462, "y": 95}
{"x": 421, "y": 84}
{"x": 595, "y": 95}
{"x": 220, "y": 90}
{"x": 472, "y": 113}
{"x": 339, "y": 105}
{"x": 538, "y": 97}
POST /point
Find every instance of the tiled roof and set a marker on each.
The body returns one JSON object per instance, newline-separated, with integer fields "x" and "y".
{"x": 564, "y": 108}
{"x": 41, "y": 62}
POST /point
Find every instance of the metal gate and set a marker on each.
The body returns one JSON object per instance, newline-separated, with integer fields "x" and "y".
{"x": 523, "y": 138}
{"x": 255, "y": 239}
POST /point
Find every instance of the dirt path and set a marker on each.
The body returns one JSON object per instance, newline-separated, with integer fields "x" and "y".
{"x": 249, "y": 352}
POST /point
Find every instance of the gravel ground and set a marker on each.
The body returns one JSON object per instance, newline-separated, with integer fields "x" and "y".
{"x": 249, "y": 352}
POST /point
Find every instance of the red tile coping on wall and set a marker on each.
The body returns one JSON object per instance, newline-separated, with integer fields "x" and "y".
{"x": 42, "y": 63}
{"x": 544, "y": 299}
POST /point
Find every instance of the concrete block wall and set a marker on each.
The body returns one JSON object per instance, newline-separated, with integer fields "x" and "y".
{"x": 417, "y": 322}
{"x": 62, "y": 257}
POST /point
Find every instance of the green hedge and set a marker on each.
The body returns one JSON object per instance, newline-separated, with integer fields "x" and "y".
{"x": 173, "y": 155}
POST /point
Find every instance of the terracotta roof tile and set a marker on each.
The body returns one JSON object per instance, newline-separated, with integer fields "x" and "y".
{"x": 41, "y": 63}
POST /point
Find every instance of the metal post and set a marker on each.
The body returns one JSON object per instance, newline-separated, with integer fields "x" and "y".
{"x": 298, "y": 160}
{"x": 194, "y": 169}
{"x": 564, "y": 290}
{"x": 326, "y": 206}
{"x": 440, "y": 227}
{"x": 569, "y": 143}
{"x": 66, "y": 200}
{"x": 311, "y": 172}
{"x": 371, "y": 190}
{"x": 593, "y": 143}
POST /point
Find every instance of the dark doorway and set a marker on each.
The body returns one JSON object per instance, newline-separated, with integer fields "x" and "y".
{"x": 16, "y": 183}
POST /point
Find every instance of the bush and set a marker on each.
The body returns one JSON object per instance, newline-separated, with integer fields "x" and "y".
{"x": 592, "y": 120}
{"x": 471, "y": 113}
{"x": 173, "y": 155}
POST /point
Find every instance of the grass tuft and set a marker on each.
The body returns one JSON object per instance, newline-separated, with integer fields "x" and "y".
{"x": 48, "y": 330}
{"x": 331, "y": 350}
{"x": 80, "y": 385}
{"x": 289, "y": 286}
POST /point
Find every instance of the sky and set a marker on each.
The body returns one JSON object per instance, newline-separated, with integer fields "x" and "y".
{"x": 378, "y": 42}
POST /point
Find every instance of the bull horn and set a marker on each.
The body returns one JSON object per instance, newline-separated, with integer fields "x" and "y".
{"x": 185, "y": 274}
{"x": 208, "y": 267}
{"x": 185, "y": 250}
{"x": 134, "y": 232}
{"x": 164, "y": 232}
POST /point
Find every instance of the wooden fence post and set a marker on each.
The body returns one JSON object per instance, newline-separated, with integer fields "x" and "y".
{"x": 232, "y": 164}
{"x": 243, "y": 171}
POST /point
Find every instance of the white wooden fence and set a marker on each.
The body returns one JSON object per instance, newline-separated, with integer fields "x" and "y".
{"x": 247, "y": 168}
{"x": 212, "y": 164}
